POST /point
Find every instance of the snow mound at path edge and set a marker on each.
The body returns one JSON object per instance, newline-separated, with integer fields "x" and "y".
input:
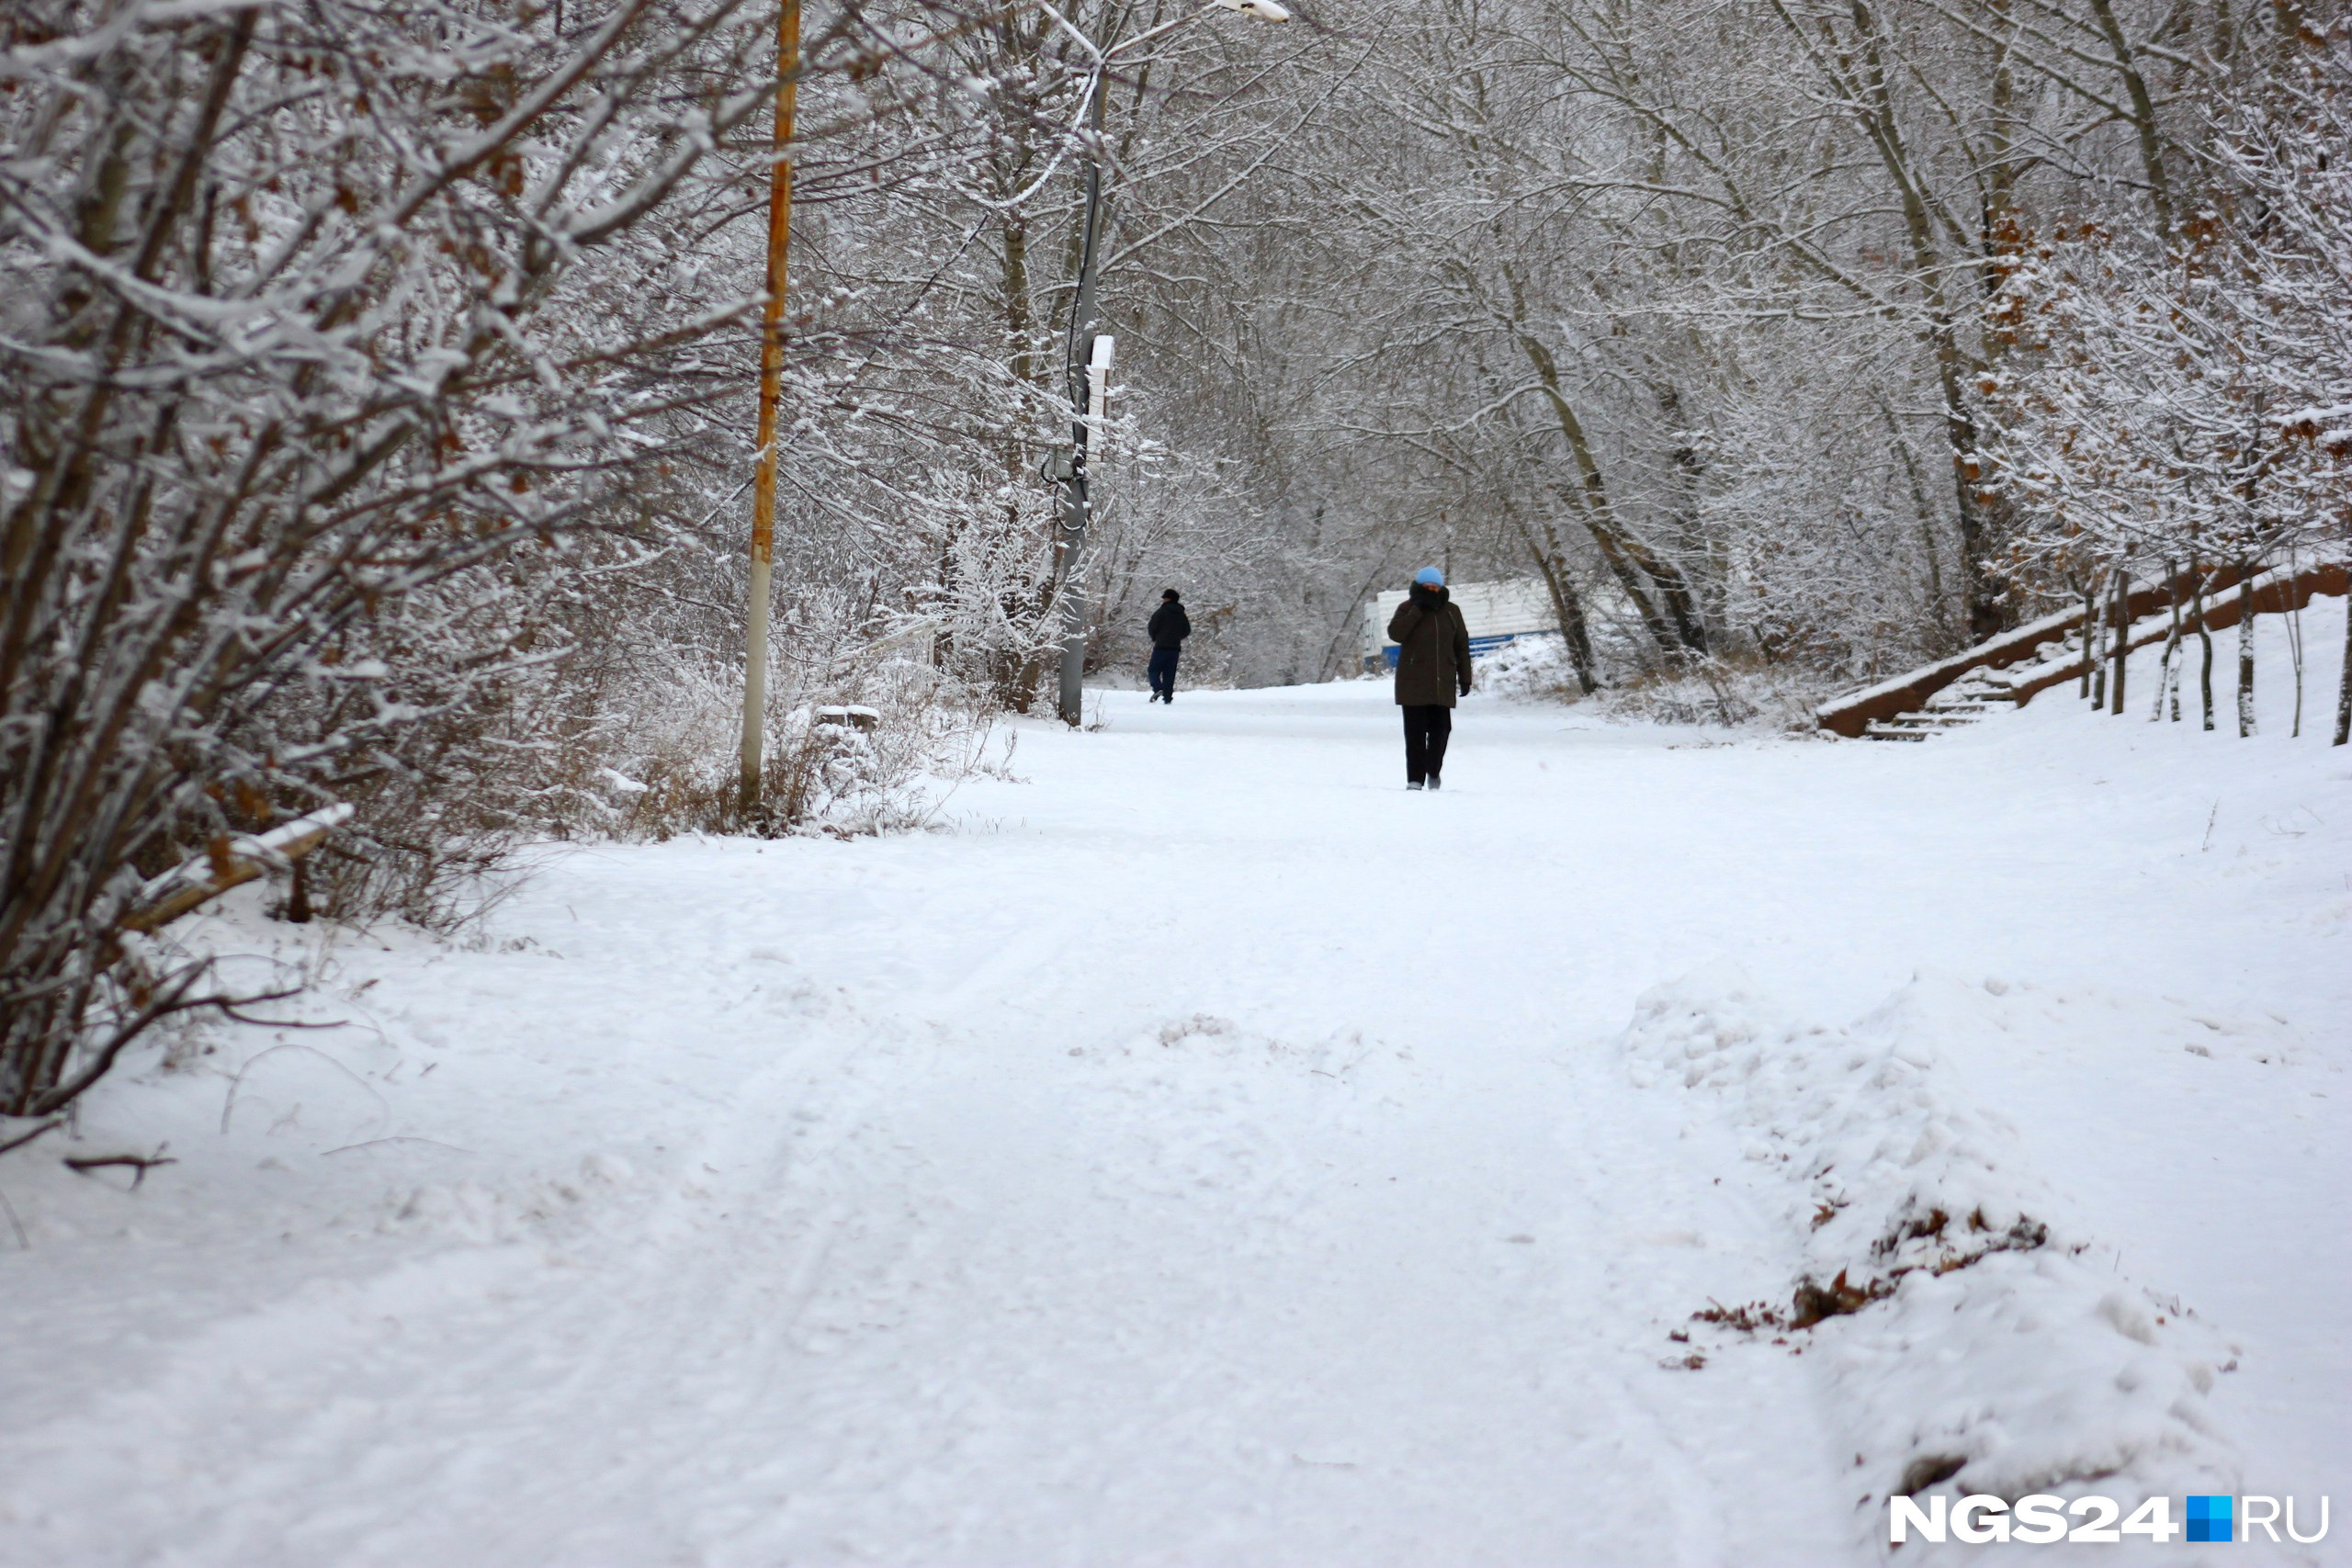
{"x": 1969, "y": 1338}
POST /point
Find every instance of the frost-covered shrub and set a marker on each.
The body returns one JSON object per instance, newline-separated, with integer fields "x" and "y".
{"x": 867, "y": 752}
{"x": 1730, "y": 694}
{"x": 1529, "y": 667}
{"x": 331, "y": 332}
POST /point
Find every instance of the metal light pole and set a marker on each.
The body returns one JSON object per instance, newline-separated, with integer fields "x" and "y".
{"x": 1078, "y": 352}
{"x": 1089, "y": 371}
{"x": 755, "y": 671}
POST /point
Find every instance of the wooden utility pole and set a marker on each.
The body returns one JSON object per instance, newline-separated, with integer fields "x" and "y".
{"x": 755, "y": 672}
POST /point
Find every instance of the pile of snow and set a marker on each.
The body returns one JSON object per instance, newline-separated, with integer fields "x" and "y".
{"x": 1969, "y": 1336}
{"x": 1533, "y": 666}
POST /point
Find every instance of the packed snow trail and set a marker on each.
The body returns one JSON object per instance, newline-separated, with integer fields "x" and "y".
{"x": 1202, "y": 1151}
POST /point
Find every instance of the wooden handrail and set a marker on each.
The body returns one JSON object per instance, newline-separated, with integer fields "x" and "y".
{"x": 229, "y": 862}
{"x": 1852, "y": 715}
{"x": 2276, "y": 591}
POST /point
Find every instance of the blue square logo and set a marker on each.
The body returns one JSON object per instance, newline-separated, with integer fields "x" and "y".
{"x": 2208, "y": 1519}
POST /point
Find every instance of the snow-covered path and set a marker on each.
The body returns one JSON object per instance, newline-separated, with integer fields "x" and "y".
{"x": 1206, "y": 1152}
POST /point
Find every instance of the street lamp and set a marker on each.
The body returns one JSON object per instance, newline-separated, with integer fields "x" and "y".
{"x": 1088, "y": 361}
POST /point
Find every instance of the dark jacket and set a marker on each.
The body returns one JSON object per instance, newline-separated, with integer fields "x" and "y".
{"x": 1432, "y": 649}
{"x": 1168, "y": 625}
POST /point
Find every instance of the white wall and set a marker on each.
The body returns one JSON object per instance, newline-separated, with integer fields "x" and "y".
{"x": 1490, "y": 609}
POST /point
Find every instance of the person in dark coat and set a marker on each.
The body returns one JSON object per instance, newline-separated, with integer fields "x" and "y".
{"x": 1432, "y": 670}
{"x": 1169, "y": 628}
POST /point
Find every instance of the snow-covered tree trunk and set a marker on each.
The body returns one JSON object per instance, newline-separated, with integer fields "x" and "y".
{"x": 2245, "y": 659}
{"x": 2205, "y": 661}
{"x": 2343, "y": 687}
{"x": 2123, "y": 636}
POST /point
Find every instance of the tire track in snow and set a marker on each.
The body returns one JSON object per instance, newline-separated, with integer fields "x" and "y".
{"x": 530, "y": 1353}
{"x": 951, "y": 1293}
{"x": 1167, "y": 1265}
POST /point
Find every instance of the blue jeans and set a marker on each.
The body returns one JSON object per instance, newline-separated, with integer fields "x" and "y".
{"x": 1163, "y": 672}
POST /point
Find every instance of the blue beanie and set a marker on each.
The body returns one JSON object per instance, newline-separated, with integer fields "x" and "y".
{"x": 1429, "y": 577}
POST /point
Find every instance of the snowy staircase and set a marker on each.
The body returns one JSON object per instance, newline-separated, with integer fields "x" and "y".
{"x": 2008, "y": 670}
{"x": 1963, "y": 701}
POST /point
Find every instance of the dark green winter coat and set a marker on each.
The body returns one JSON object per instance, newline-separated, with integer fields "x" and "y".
{"x": 1432, "y": 649}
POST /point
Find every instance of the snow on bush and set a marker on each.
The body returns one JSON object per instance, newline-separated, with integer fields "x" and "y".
{"x": 870, "y": 751}
{"x": 1719, "y": 691}
{"x": 1969, "y": 1338}
{"x": 1697, "y": 691}
{"x": 1530, "y": 667}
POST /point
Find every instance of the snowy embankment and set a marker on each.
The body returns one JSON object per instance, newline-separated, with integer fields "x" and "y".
{"x": 1966, "y": 1343}
{"x": 1200, "y": 1150}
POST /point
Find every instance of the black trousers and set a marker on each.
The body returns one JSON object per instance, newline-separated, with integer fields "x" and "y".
{"x": 1163, "y": 672}
{"x": 1426, "y": 729}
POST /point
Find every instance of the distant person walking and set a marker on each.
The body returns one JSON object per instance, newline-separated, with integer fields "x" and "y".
{"x": 1169, "y": 628}
{"x": 1432, "y": 670}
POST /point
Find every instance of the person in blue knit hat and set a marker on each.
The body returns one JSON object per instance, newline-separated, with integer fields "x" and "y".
{"x": 1432, "y": 671}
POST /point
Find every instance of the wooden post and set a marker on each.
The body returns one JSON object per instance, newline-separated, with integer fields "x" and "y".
{"x": 756, "y": 653}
